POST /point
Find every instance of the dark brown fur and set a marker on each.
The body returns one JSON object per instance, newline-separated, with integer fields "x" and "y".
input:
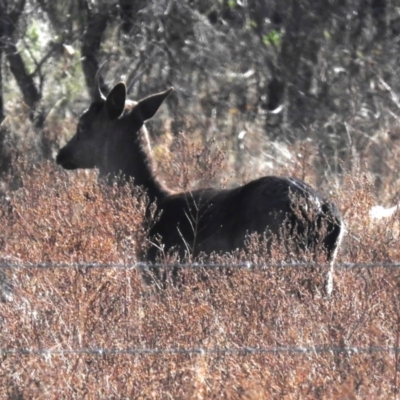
{"x": 112, "y": 138}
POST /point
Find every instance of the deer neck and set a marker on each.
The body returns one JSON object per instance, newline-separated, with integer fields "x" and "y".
{"x": 156, "y": 191}
{"x": 130, "y": 155}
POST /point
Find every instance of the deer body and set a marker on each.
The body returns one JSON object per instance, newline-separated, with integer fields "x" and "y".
{"x": 112, "y": 138}
{"x": 210, "y": 220}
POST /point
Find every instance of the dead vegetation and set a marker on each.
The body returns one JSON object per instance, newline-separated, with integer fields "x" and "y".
{"x": 79, "y": 309}
{"x": 298, "y": 88}
{"x": 68, "y": 218}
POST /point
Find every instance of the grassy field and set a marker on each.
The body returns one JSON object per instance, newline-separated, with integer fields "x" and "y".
{"x": 296, "y": 88}
{"x": 68, "y": 218}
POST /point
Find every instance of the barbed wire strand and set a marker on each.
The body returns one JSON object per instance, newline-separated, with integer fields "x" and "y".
{"x": 350, "y": 350}
{"x": 146, "y": 266}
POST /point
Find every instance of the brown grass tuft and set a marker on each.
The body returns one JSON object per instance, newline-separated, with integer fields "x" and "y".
{"x": 68, "y": 217}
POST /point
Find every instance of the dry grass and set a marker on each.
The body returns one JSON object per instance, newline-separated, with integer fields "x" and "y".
{"x": 110, "y": 308}
{"x": 60, "y": 217}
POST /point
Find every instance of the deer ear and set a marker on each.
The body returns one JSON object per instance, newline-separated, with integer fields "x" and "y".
{"x": 147, "y": 107}
{"x": 115, "y": 102}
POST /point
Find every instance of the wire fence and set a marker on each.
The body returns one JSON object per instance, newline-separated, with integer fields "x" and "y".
{"x": 346, "y": 350}
{"x": 146, "y": 266}
{"x": 351, "y": 350}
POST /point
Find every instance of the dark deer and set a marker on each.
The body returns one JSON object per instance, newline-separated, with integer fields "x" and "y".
{"x": 111, "y": 137}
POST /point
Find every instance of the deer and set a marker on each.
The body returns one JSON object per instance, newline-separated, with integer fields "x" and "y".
{"x": 111, "y": 136}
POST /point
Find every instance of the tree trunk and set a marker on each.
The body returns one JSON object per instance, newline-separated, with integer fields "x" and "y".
{"x": 96, "y": 24}
{"x": 24, "y": 80}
